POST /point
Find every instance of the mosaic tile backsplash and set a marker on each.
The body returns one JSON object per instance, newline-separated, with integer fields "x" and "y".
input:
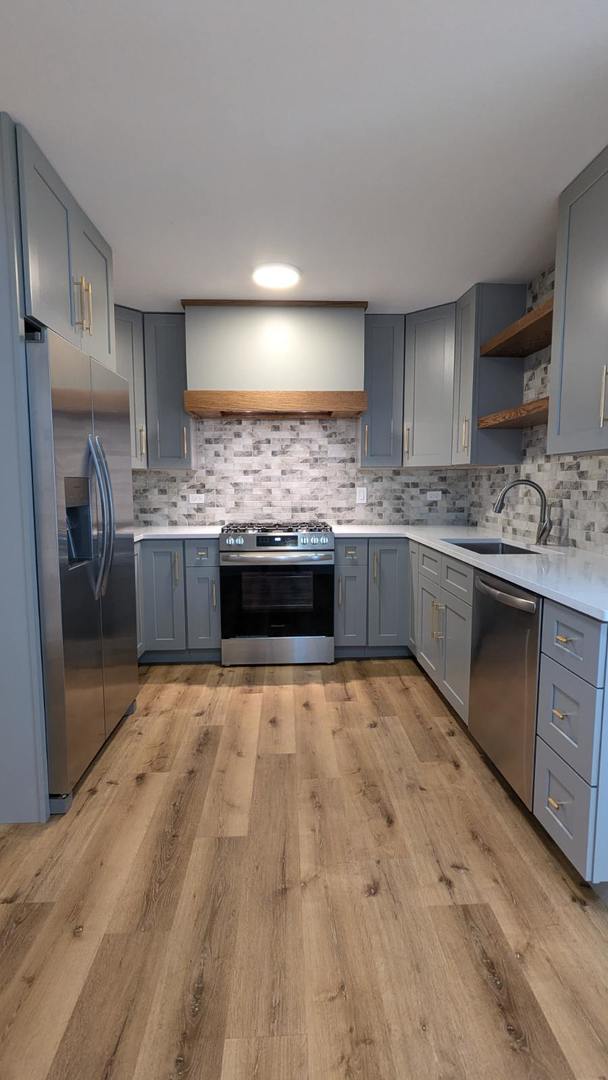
{"x": 292, "y": 469}
{"x": 289, "y": 469}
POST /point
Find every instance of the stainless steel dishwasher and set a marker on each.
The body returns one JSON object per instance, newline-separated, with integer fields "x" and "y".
{"x": 504, "y": 678}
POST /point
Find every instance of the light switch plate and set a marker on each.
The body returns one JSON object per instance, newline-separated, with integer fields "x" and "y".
{"x": 361, "y": 495}
{"x": 433, "y": 496}
{"x": 195, "y": 497}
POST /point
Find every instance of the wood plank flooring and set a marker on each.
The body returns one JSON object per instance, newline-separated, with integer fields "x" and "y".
{"x": 296, "y": 874}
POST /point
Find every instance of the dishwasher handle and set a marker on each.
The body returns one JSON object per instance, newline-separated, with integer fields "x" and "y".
{"x": 518, "y": 602}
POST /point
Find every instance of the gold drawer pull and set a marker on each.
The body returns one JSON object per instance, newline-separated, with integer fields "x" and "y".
{"x": 561, "y": 639}
{"x": 204, "y": 554}
{"x": 553, "y": 803}
{"x": 559, "y": 714}
{"x": 350, "y": 552}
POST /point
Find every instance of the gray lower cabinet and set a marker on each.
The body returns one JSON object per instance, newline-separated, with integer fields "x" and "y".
{"x": 388, "y": 593}
{"x": 382, "y": 424}
{"x": 485, "y": 385}
{"x": 67, "y": 263}
{"x": 203, "y": 607}
{"x": 413, "y": 581}
{"x": 139, "y": 599}
{"x": 455, "y": 621}
{"x": 578, "y": 403}
{"x": 130, "y": 364}
{"x": 566, "y": 806}
{"x": 429, "y": 386}
{"x": 165, "y": 366}
{"x": 428, "y": 647}
{"x": 444, "y": 626}
{"x": 164, "y": 604}
{"x": 350, "y": 605}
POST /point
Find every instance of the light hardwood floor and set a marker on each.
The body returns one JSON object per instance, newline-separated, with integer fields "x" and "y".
{"x": 286, "y": 873}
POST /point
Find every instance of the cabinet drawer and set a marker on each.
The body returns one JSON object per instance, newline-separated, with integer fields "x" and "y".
{"x": 429, "y": 563}
{"x": 565, "y": 806}
{"x": 351, "y": 552}
{"x": 457, "y": 578}
{"x": 570, "y": 717}
{"x": 576, "y": 641}
{"x": 202, "y": 552}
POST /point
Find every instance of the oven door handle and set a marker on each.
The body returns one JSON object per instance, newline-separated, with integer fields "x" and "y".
{"x": 275, "y": 558}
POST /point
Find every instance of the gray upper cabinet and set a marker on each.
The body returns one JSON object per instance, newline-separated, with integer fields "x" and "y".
{"x": 388, "y": 593}
{"x": 164, "y": 595}
{"x": 67, "y": 263}
{"x": 93, "y": 262}
{"x": 382, "y": 424}
{"x": 165, "y": 364}
{"x": 429, "y": 386}
{"x": 130, "y": 364}
{"x": 485, "y": 385}
{"x": 578, "y": 405}
{"x": 47, "y": 219}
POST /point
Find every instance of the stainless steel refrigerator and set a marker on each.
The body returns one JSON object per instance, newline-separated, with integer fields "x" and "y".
{"x": 79, "y": 420}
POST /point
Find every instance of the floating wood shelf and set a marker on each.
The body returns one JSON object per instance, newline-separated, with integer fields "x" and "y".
{"x": 526, "y": 415}
{"x": 526, "y": 336}
{"x": 328, "y": 404}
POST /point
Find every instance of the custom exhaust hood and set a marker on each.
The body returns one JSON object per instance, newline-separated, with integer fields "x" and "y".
{"x": 275, "y": 358}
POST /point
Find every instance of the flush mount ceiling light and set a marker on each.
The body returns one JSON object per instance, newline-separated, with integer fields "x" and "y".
{"x": 276, "y": 276}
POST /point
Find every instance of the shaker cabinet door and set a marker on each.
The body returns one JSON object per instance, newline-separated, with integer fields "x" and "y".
{"x": 93, "y": 261}
{"x": 578, "y": 403}
{"x": 203, "y": 602}
{"x": 382, "y": 424}
{"x": 165, "y": 364}
{"x": 350, "y": 605}
{"x": 164, "y": 596}
{"x": 130, "y": 364}
{"x": 388, "y": 603}
{"x": 51, "y": 296}
{"x": 429, "y": 386}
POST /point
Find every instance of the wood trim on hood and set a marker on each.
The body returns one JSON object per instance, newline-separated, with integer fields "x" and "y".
{"x": 331, "y": 404}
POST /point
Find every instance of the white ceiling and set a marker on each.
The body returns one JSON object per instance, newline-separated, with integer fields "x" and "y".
{"x": 394, "y": 150}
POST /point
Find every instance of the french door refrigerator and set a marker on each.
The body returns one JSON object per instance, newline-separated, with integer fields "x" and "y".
{"x": 81, "y": 456}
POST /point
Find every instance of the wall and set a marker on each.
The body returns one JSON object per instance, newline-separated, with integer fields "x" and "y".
{"x": 576, "y": 484}
{"x": 290, "y": 469}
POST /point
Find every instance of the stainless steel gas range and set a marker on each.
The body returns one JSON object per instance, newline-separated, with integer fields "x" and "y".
{"x": 277, "y": 593}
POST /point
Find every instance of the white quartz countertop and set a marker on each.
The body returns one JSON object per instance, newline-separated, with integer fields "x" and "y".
{"x": 578, "y": 579}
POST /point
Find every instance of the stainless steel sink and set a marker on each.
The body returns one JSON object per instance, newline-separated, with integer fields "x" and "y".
{"x": 491, "y": 547}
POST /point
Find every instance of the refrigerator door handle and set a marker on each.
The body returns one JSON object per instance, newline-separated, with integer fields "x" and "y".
{"x": 105, "y": 515}
{"x": 111, "y": 526}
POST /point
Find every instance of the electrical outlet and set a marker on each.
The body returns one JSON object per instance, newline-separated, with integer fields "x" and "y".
{"x": 361, "y": 495}
{"x": 433, "y": 496}
{"x": 194, "y": 497}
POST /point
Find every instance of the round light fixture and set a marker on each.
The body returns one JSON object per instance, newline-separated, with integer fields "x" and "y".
{"x": 276, "y": 276}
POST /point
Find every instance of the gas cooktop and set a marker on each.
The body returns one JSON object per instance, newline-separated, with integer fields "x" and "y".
{"x": 275, "y": 527}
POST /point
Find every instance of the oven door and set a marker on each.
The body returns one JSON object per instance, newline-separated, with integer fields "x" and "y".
{"x": 277, "y": 608}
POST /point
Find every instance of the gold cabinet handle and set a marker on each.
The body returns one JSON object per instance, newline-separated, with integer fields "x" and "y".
{"x": 89, "y": 291}
{"x": 561, "y": 639}
{"x": 603, "y": 416}
{"x": 142, "y": 440}
{"x": 158, "y": 435}
{"x": 176, "y": 568}
{"x": 203, "y": 553}
{"x": 340, "y": 591}
{"x": 213, "y": 595}
{"x": 437, "y": 634}
{"x": 465, "y": 434}
{"x": 406, "y": 435}
{"x": 81, "y": 285}
{"x": 553, "y": 803}
{"x": 375, "y": 566}
{"x": 185, "y": 440}
{"x": 559, "y": 714}
{"x": 366, "y": 440}
{"x": 350, "y": 552}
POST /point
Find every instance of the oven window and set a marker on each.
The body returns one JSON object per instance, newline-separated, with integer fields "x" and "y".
{"x": 277, "y": 590}
{"x": 280, "y": 601}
